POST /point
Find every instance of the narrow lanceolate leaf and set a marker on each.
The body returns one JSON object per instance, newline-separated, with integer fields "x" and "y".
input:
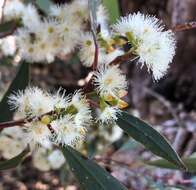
{"x": 44, "y": 5}
{"x": 113, "y": 9}
{"x": 189, "y": 162}
{"x": 93, "y": 5}
{"x": 14, "y": 162}
{"x": 19, "y": 83}
{"x": 149, "y": 137}
{"x": 89, "y": 174}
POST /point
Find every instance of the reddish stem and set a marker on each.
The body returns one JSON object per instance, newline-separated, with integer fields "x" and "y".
{"x": 21, "y": 122}
{"x": 96, "y": 57}
{"x": 12, "y": 123}
{"x": 186, "y": 26}
{"x": 123, "y": 58}
{"x": 93, "y": 104}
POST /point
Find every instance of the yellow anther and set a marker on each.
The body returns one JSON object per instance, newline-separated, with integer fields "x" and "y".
{"x": 45, "y": 120}
{"x": 108, "y": 81}
{"x": 50, "y": 30}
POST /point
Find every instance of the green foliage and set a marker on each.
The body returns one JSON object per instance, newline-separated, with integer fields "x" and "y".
{"x": 19, "y": 83}
{"x": 113, "y": 9}
{"x": 44, "y": 5}
{"x": 129, "y": 145}
{"x": 149, "y": 137}
{"x": 14, "y": 162}
{"x": 7, "y": 28}
{"x": 89, "y": 174}
{"x": 189, "y": 162}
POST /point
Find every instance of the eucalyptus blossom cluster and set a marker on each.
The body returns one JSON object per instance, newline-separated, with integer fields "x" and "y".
{"x": 66, "y": 29}
{"x": 65, "y": 119}
{"x": 58, "y": 118}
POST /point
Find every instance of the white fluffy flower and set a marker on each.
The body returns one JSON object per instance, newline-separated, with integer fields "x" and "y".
{"x": 79, "y": 10}
{"x": 40, "y": 43}
{"x": 37, "y": 133}
{"x": 13, "y": 9}
{"x": 150, "y": 42}
{"x": 108, "y": 115}
{"x": 76, "y": 11}
{"x": 138, "y": 24}
{"x": 31, "y": 102}
{"x": 67, "y": 132}
{"x": 14, "y": 132}
{"x": 87, "y": 50}
{"x": 109, "y": 57}
{"x": 68, "y": 33}
{"x": 158, "y": 54}
{"x": 112, "y": 134}
{"x": 69, "y": 127}
{"x": 83, "y": 116}
{"x": 40, "y": 160}
{"x": 59, "y": 11}
{"x": 30, "y": 17}
{"x": 10, "y": 147}
{"x": 8, "y": 45}
{"x": 60, "y": 100}
{"x": 102, "y": 18}
{"x": 110, "y": 81}
{"x": 56, "y": 159}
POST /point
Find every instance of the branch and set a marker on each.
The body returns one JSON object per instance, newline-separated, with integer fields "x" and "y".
{"x": 96, "y": 57}
{"x": 23, "y": 121}
{"x": 167, "y": 104}
{"x": 128, "y": 57}
{"x": 12, "y": 123}
{"x": 106, "y": 159}
{"x": 183, "y": 27}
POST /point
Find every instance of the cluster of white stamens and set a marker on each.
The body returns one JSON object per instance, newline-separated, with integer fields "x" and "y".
{"x": 68, "y": 117}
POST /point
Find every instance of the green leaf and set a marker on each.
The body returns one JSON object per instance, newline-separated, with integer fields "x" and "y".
{"x": 189, "y": 162}
{"x": 14, "y": 162}
{"x": 149, "y": 137}
{"x": 44, "y": 5}
{"x": 89, "y": 174}
{"x": 7, "y": 28}
{"x": 93, "y": 5}
{"x": 113, "y": 9}
{"x": 19, "y": 83}
{"x": 129, "y": 145}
